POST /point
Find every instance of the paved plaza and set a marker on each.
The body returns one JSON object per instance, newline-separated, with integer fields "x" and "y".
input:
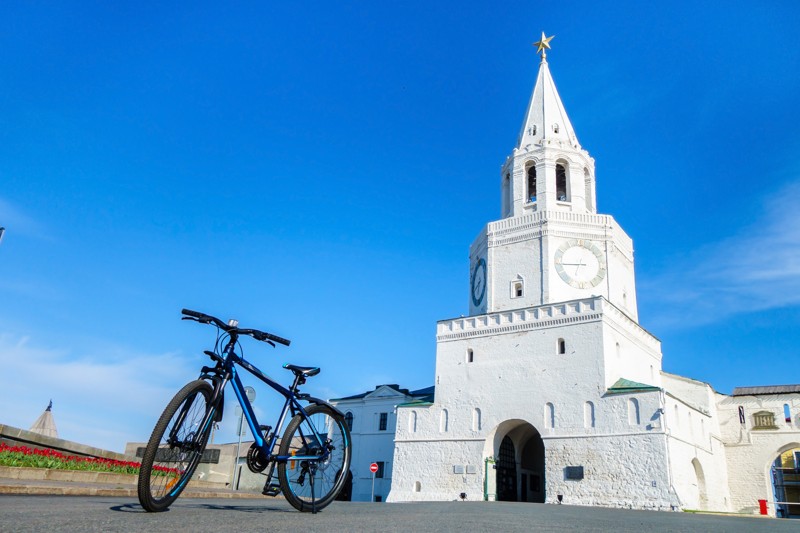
{"x": 21, "y": 513}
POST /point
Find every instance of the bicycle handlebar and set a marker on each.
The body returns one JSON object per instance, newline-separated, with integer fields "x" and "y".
{"x": 255, "y": 333}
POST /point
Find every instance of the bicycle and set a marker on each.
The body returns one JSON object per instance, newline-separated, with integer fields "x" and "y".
{"x": 313, "y": 457}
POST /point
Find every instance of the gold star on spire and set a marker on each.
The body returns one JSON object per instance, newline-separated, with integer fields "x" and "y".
{"x": 543, "y": 44}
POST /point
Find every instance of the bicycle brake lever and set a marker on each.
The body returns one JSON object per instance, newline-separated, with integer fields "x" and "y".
{"x": 270, "y": 343}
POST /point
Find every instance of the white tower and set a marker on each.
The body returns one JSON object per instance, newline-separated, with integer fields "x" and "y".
{"x": 550, "y": 386}
{"x": 550, "y": 245}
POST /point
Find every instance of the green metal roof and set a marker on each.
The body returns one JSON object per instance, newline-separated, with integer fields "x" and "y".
{"x": 623, "y": 386}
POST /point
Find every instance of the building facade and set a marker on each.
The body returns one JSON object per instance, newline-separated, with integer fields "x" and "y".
{"x": 372, "y": 420}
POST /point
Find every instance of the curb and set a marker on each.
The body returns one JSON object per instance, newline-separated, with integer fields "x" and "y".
{"x": 83, "y": 490}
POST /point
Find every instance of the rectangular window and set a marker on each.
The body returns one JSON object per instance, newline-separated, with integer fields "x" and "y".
{"x": 379, "y": 473}
{"x": 382, "y": 423}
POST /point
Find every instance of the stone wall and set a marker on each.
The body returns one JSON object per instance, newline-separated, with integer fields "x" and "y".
{"x": 20, "y": 437}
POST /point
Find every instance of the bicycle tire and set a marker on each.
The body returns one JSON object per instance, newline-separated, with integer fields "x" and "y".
{"x": 167, "y": 468}
{"x": 329, "y": 476}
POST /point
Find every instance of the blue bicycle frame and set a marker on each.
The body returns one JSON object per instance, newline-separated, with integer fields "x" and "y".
{"x": 225, "y": 371}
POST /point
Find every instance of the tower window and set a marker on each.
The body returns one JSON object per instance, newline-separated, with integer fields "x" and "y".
{"x": 470, "y": 356}
{"x": 587, "y": 182}
{"x": 555, "y": 128}
{"x": 561, "y": 183}
{"x": 787, "y": 414}
{"x": 517, "y": 288}
{"x": 532, "y": 183}
{"x": 562, "y": 347}
{"x": 507, "y": 195}
{"x": 348, "y": 419}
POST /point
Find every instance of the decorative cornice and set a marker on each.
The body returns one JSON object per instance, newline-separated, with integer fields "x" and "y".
{"x": 560, "y": 223}
{"x": 514, "y": 321}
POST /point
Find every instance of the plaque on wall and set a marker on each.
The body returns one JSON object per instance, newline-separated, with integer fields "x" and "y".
{"x": 574, "y": 473}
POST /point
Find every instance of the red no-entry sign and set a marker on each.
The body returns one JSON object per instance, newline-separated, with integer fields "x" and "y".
{"x": 373, "y": 467}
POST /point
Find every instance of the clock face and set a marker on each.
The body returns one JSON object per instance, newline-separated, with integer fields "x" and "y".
{"x": 580, "y": 263}
{"x": 478, "y": 282}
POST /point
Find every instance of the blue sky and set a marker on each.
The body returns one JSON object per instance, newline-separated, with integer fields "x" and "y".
{"x": 320, "y": 171}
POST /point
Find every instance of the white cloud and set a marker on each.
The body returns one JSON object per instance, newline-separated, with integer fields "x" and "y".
{"x": 103, "y": 402}
{"x": 15, "y": 220}
{"x": 755, "y": 270}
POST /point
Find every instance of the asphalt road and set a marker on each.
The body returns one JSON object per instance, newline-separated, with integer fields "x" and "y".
{"x": 52, "y": 514}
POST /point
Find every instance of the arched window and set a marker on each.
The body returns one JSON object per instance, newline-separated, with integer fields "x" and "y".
{"x": 787, "y": 414}
{"x": 470, "y": 355}
{"x": 417, "y": 486}
{"x": 562, "y": 346}
{"x": 588, "y": 415}
{"x": 348, "y": 419}
{"x": 507, "y": 199}
{"x": 549, "y": 416}
{"x": 562, "y": 193}
{"x": 587, "y": 183}
{"x": 443, "y": 421}
{"x": 476, "y": 419}
{"x": 412, "y": 422}
{"x": 633, "y": 412}
{"x": 532, "y": 183}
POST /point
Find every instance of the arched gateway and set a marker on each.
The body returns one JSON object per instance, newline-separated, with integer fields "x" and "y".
{"x": 519, "y": 469}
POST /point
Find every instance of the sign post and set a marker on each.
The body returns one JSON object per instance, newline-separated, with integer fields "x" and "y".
{"x": 250, "y": 392}
{"x": 373, "y": 468}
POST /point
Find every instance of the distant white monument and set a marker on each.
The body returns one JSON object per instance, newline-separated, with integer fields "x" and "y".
{"x": 45, "y": 424}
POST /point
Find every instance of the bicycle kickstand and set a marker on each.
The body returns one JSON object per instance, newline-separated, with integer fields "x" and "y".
{"x": 313, "y": 497}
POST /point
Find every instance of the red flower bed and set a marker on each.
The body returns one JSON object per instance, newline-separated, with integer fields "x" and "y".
{"x": 47, "y": 458}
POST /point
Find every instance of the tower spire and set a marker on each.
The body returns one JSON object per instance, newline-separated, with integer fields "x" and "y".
{"x": 546, "y": 120}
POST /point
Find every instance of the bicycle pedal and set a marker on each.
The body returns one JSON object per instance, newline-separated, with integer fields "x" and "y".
{"x": 271, "y": 490}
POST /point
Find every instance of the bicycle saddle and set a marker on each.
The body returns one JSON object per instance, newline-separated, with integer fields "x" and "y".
{"x": 306, "y": 371}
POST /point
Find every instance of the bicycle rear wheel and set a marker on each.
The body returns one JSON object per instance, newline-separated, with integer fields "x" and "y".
{"x": 175, "y": 447}
{"x": 310, "y": 485}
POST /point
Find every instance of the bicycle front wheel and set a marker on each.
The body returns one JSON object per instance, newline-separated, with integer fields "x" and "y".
{"x": 311, "y": 484}
{"x": 175, "y": 447}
